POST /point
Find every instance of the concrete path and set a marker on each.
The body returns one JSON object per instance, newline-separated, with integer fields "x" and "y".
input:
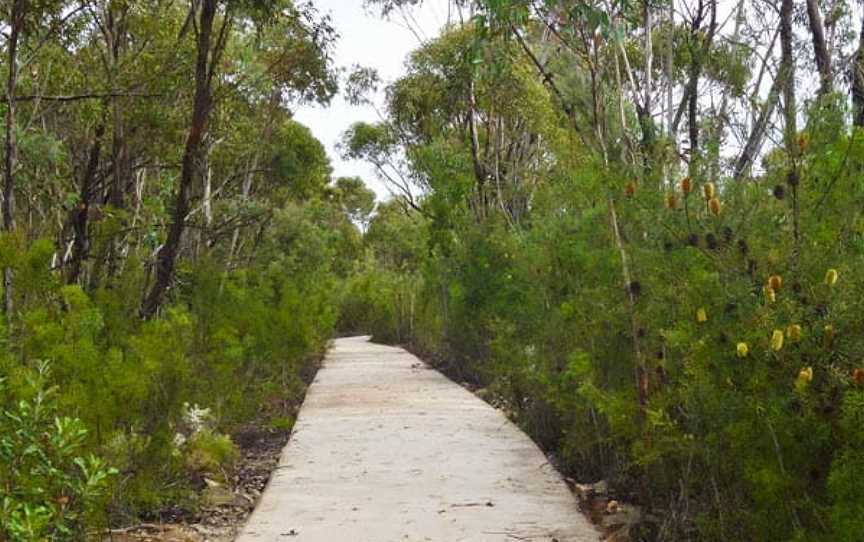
{"x": 388, "y": 450}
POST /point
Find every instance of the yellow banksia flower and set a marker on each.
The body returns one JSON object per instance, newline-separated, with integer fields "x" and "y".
{"x": 714, "y": 206}
{"x": 805, "y": 375}
{"x": 794, "y": 332}
{"x": 709, "y": 190}
{"x": 775, "y": 282}
{"x": 831, "y": 277}
{"x": 777, "y": 340}
{"x": 828, "y": 336}
{"x": 701, "y": 316}
{"x": 742, "y": 350}
{"x": 770, "y": 294}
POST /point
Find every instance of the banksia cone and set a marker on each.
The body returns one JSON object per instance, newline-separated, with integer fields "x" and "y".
{"x": 671, "y": 201}
{"x": 858, "y": 377}
{"x": 803, "y": 142}
{"x": 630, "y": 189}
{"x": 770, "y": 295}
{"x": 828, "y": 336}
{"x": 777, "y": 340}
{"x": 775, "y": 282}
{"x": 805, "y": 377}
{"x": 686, "y": 185}
{"x": 831, "y": 277}
{"x": 742, "y": 350}
{"x": 701, "y": 316}
{"x": 709, "y": 190}
{"x": 794, "y": 332}
{"x": 714, "y": 206}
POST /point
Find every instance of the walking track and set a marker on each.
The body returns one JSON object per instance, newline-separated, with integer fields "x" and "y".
{"x": 386, "y": 449}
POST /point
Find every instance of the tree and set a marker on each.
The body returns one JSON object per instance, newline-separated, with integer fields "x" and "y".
{"x": 357, "y": 201}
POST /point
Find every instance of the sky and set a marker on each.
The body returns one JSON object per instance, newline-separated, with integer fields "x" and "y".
{"x": 368, "y": 40}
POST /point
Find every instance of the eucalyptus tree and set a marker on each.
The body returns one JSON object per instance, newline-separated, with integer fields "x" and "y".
{"x": 214, "y": 24}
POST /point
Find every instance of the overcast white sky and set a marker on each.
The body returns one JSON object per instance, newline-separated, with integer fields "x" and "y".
{"x": 368, "y": 40}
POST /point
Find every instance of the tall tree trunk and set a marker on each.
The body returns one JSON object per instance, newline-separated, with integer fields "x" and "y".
{"x": 757, "y": 132}
{"x": 644, "y": 110}
{"x": 692, "y": 90}
{"x": 81, "y": 214}
{"x": 18, "y": 9}
{"x": 167, "y": 257}
{"x": 790, "y": 113}
{"x": 820, "y": 46}
{"x": 858, "y": 81}
{"x": 787, "y": 73}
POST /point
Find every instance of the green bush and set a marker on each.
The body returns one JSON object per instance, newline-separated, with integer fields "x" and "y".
{"x": 51, "y": 484}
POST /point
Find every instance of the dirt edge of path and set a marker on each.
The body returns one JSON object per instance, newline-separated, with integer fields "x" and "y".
{"x": 223, "y": 509}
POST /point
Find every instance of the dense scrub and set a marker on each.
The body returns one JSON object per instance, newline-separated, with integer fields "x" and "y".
{"x": 693, "y": 337}
{"x": 154, "y": 400}
{"x": 171, "y": 248}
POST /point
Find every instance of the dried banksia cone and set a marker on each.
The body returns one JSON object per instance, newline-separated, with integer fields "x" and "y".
{"x": 701, "y": 316}
{"x": 831, "y": 277}
{"x": 709, "y": 190}
{"x": 770, "y": 295}
{"x": 711, "y": 241}
{"x": 775, "y": 282}
{"x": 777, "y": 340}
{"x": 779, "y": 191}
{"x": 671, "y": 201}
{"x": 858, "y": 377}
{"x": 794, "y": 332}
{"x": 742, "y": 350}
{"x": 714, "y": 206}
{"x": 803, "y": 142}
{"x": 686, "y": 185}
{"x": 630, "y": 189}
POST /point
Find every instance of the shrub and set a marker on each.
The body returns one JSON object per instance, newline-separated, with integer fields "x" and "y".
{"x": 51, "y": 485}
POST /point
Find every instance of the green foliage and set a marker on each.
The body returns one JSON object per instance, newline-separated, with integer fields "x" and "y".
{"x": 210, "y": 453}
{"x": 50, "y": 484}
{"x": 673, "y": 385}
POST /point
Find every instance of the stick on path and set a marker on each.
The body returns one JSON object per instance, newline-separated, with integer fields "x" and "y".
{"x": 386, "y": 449}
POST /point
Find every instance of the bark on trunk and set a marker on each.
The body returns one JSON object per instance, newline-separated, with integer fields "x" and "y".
{"x": 81, "y": 215}
{"x": 18, "y": 9}
{"x": 820, "y": 46}
{"x": 167, "y": 256}
{"x": 858, "y": 81}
